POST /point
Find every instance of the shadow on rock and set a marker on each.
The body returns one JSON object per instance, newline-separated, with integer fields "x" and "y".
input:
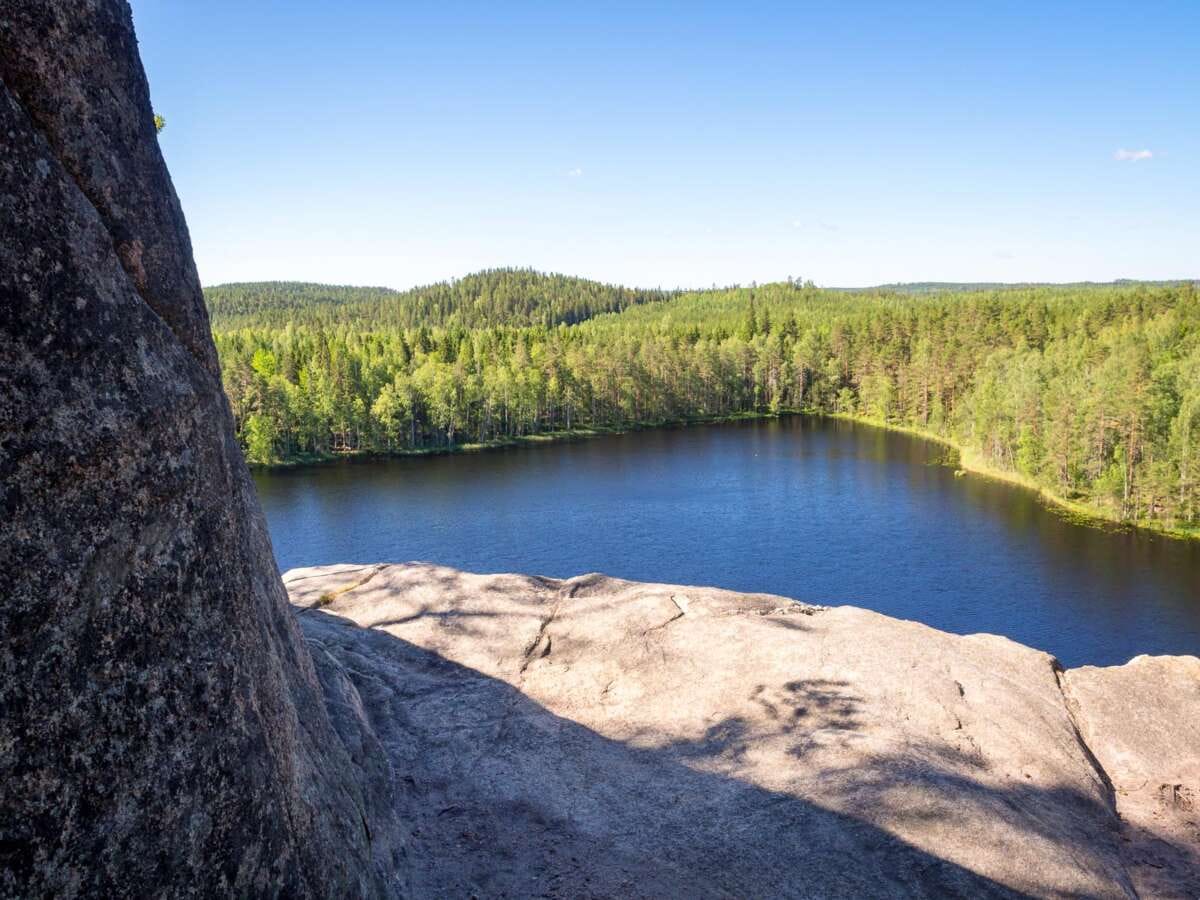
{"x": 505, "y": 798}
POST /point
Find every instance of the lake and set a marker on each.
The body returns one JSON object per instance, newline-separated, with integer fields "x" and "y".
{"x": 820, "y": 510}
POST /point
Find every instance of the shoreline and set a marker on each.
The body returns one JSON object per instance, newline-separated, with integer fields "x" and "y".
{"x": 524, "y": 440}
{"x": 968, "y": 461}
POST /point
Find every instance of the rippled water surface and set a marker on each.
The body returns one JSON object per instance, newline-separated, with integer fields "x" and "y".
{"x": 819, "y": 510}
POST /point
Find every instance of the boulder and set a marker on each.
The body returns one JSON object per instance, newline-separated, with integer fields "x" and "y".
{"x": 1142, "y": 722}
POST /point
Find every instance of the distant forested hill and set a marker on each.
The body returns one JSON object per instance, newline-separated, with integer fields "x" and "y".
{"x": 279, "y": 302}
{"x": 935, "y": 287}
{"x": 1091, "y": 392}
{"x": 493, "y": 297}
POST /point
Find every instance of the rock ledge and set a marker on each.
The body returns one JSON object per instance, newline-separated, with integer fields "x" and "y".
{"x": 596, "y": 737}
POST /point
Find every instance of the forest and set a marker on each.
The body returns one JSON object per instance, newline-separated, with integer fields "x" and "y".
{"x": 1090, "y": 392}
{"x": 501, "y": 296}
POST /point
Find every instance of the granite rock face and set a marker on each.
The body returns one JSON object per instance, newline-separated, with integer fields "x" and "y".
{"x": 163, "y": 727}
{"x": 1142, "y": 721}
{"x": 599, "y": 738}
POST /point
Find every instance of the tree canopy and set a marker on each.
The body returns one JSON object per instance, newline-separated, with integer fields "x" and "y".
{"x": 1091, "y": 391}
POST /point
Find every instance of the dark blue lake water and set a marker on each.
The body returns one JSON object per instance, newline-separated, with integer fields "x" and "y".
{"x": 820, "y": 510}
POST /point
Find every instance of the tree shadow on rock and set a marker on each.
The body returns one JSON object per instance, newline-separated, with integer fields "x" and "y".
{"x": 503, "y": 798}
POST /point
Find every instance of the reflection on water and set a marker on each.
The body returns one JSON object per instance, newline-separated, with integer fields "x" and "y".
{"x": 820, "y": 510}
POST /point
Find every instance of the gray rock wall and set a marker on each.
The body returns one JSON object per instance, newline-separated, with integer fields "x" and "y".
{"x": 163, "y": 727}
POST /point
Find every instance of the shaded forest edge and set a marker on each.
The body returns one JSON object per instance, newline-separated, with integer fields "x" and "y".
{"x": 1089, "y": 394}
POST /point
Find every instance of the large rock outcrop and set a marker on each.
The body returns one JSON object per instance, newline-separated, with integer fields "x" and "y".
{"x": 163, "y": 729}
{"x": 1142, "y": 722}
{"x": 594, "y": 737}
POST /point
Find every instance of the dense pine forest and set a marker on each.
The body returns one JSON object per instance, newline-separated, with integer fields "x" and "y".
{"x": 1090, "y": 392}
{"x": 501, "y": 296}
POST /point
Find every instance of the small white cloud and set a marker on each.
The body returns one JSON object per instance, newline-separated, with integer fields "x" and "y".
{"x": 823, "y": 226}
{"x": 1004, "y": 254}
{"x": 574, "y": 173}
{"x": 1132, "y": 155}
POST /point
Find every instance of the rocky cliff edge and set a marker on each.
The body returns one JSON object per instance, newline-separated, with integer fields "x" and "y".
{"x": 595, "y": 737}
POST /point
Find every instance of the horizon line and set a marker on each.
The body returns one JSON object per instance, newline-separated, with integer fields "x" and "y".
{"x": 753, "y": 283}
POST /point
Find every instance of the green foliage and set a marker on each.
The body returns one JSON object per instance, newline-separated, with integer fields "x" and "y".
{"x": 494, "y": 297}
{"x": 259, "y": 434}
{"x": 159, "y": 123}
{"x": 1091, "y": 391}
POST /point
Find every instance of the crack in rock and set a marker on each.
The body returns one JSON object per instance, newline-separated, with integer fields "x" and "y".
{"x": 679, "y": 614}
{"x": 530, "y": 653}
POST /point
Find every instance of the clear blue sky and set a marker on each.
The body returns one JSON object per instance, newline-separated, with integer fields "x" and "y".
{"x": 682, "y": 144}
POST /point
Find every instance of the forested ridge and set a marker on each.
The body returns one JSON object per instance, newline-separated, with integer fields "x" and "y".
{"x": 1091, "y": 392}
{"x": 492, "y": 297}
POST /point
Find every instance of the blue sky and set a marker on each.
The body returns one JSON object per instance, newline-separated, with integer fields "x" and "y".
{"x": 682, "y": 144}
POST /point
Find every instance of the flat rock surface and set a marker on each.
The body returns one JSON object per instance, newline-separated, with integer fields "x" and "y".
{"x": 595, "y": 737}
